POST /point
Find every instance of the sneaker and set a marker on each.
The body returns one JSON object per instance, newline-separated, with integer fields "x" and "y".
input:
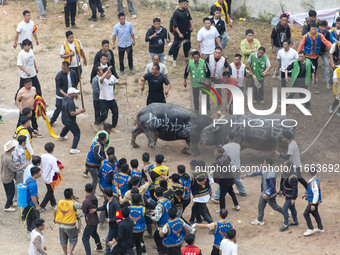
{"x": 99, "y": 248}
{"x": 102, "y": 15}
{"x": 54, "y": 207}
{"x": 134, "y": 16}
{"x": 10, "y": 209}
{"x": 309, "y": 232}
{"x": 241, "y": 194}
{"x": 216, "y": 201}
{"x": 14, "y": 204}
{"x": 319, "y": 230}
{"x": 193, "y": 231}
{"x": 174, "y": 63}
{"x": 40, "y": 135}
{"x": 43, "y": 17}
{"x": 217, "y": 211}
{"x": 42, "y": 209}
{"x": 262, "y": 102}
{"x": 74, "y": 151}
{"x": 283, "y": 228}
{"x": 331, "y": 109}
{"x": 121, "y": 73}
{"x": 328, "y": 86}
{"x": 293, "y": 223}
{"x": 132, "y": 71}
{"x": 92, "y": 19}
{"x": 75, "y": 27}
{"x": 169, "y": 58}
{"x": 256, "y": 222}
{"x": 62, "y": 138}
{"x": 85, "y": 175}
{"x": 237, "y": 207}
{"x": 315, "y": 90}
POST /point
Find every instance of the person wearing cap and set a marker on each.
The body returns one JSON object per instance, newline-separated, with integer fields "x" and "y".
{"x": 8, "y": 171}
{"x": 68, "y": 117}
{"x": 23, "y": 129}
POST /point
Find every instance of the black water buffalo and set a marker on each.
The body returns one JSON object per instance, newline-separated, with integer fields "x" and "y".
{"x": 263, "y": 133}
{"x": 170, "y": 122}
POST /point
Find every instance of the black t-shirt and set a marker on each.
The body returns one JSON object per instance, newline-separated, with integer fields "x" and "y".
{"x": 279, "y": 34}
{"x": 182, "y": 20}
{"x": 67, "y": 107}
{"x": 156, "y": 91}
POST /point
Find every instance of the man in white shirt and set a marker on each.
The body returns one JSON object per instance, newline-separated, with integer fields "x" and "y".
{"x": 206, "y": 38}
{"x": 229, "y": 246}
{"x": 27, "y": 66}
{"x": 106, "y": 96}
{"x": 72, "y": 51}
{"x": 36, "y": 161}
{"x": 50, "y": 168}
{"x": 156, "y": 61}
{"x": 286, "y": 55}
{"x": 25, "y": 30}
{"x": 237, "y": 70}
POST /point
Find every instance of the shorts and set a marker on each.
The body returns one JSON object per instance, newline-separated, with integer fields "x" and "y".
{"x": 68, "y": 234}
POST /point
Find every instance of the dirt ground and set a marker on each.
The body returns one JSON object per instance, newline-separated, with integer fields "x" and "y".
{"x": 251, "y": 240}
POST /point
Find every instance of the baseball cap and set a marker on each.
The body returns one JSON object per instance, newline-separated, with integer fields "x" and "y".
{"x": 73, "y": 91}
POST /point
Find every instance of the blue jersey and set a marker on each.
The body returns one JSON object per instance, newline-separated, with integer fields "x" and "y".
{"x": 166, "y": 205}
{"x": 121, "y": 181}
{"x": 136, "y": 173}
{"x": 310, "y": 194}
{"x": 186, "y": 182}
{"x": 105, "y": 169}
{"x": 221, "y": 232}
{"x": 176, "y": 233}
{"x": 90, "y": 155}
{"x": 137, "y": 215}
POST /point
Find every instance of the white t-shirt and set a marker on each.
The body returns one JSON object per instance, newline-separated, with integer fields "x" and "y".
{"x": 207, "y": 39}
{"x": 287, "y": 57}
{"x": 162, "y": 68}
{"x": 69, "y": 81}
{"x": 25, "y": 30}
{"x": 72, "y": 47}
{"x": 332, "y": 50}
{"x": 233, "y": 150}
{"x": 293, "y": 151}
{"x": 228, "y": 247}
{"x": 107, "y": 88}
{"x": 26, "y": 59}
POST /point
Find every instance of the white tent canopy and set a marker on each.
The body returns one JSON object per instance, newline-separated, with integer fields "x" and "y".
{"x": 328, "y": 15}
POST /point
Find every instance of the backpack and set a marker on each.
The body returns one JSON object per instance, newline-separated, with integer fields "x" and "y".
{"x": 22, "y": 195}
{"x": 171, "y": 25}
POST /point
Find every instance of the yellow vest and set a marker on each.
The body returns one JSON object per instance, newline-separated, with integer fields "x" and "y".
{"x": 23, "y": 131}
{"x": 68, "y": 51}
{"x": 162, "y": 171}
{"x": 65, "y": 213}
{"x": 335, "y": 85}
{"x": 223, "y": 15}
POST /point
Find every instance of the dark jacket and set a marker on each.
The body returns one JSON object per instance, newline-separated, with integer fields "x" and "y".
{"x": 154, "y": 44}
{"x": 90, "y": 202}
{"x": 280, "y": 33}
{"x": 124, "y": 238}
{"x": 61, "y": 82}
{"x": 109, "y": 63}
{"x": 224, "y": 177}
{"x": 220, "y": 25}
{"x": 307, "y": 25}
{"x": 289, "y": 185}
{"x": 114, "y": 206}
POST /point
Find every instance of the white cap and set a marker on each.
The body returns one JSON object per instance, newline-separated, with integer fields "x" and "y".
{"x": 73, "y": 91}
{"x": 10, "y": 144}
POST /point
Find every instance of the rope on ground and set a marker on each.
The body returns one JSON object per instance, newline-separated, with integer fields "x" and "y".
{"x": 317, "y": 137}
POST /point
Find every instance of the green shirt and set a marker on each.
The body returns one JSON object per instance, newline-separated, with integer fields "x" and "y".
{"x": 107, "y": 138}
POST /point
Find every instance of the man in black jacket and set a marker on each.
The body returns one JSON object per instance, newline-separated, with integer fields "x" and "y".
{"x": 91, "y": 219}
{"x": 110, "y": 212}
{"x": 111, "y": 59}
{"x": 124, "y": 237}
{"x": 64, "y": 80}
{"x": 156, "y": 36}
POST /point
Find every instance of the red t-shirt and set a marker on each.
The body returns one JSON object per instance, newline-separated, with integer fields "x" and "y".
{"x": 230, "y": 81}
{"x": 191, "y": 250}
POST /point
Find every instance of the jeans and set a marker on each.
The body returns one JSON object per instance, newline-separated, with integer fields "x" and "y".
{"x": 325, "y": 59}
{"x": 200, "y": 209}
{"x": 217, "y": 192}
{"x": 298, "y": 84}
{"x": 41, "y": 7}
{"x": 49, "y": 197}
{"x": 121, "y": 52}
{"x": 195, "y": 95}
{"x": 239, "y": 186}
{"x": 90, "y": 230}
{"x": 262, "y": 204}
{"x": 315, "y": 214}
{"x": 130, "y": 6}
{"x": 94, "y": 4}
{"x": 277, "y": 50}
{"x": 96, "y": 106}
{"x": 94, "y": 171}
{"x": 161, "y": 56}
{"x": 113, "y": 233}
{"x": 74, "y": 128}
{"x": 10, "y": 190}
{"x": 223, "y": 191}
{"x": 137, "y": 239}
{"x": 288, "y": 205}
{"x": 258, "y": 93}
{"x": 70, "y": 8}
{"x": 105, "y": 106}
{"x": 57, "y": 111}
{"x": 177, "y": 44}
{"x": 224, "y": 40}
{"x": 158, "y": 240}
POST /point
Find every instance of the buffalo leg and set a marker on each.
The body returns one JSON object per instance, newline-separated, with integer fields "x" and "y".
{"x": 152, "y": 138}
{"x": 135, "y": 133}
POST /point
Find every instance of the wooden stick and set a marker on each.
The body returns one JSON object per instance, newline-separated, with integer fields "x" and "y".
{"x": 80, "y": 85}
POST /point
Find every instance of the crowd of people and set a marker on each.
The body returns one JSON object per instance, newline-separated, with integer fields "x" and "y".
{"x": 138, "y": 197}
